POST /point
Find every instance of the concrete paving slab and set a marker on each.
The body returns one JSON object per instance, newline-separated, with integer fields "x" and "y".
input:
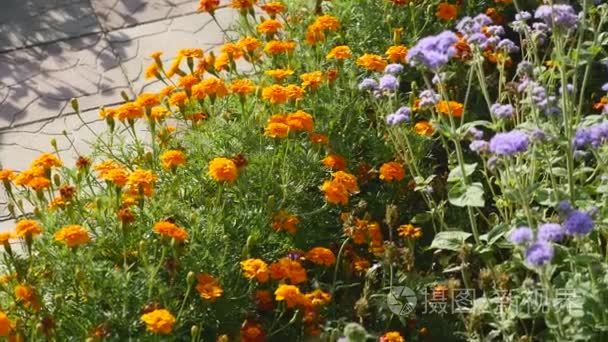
{"x": 115, "y": 14}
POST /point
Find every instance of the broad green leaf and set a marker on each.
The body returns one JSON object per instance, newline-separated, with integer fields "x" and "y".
{"x": 456, "y": 173}
{"x": 450, "y": 240}
{"x": 470, "y": 195}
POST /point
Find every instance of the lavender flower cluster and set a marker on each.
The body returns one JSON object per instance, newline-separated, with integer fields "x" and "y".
{"x": 592, "y": 136}
{"x": 433, "y": 52}
{"x": 478, "y": 31}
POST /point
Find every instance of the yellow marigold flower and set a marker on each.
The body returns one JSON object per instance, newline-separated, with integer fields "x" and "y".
{"x": 174, "y": 66}
{"x": 424, "y": 128}
{"x": 396, "y": 53}
{"x": 223, "y": 169}
{"x": 335, "y": 192}
{"x": 285, "y": 221}
{"x": 334, "y": 162}
{"x": 339, "y": 52}
{"x": 5, "y": 325}
{"x": 276, "y": 130}
{"x": 392, "y": 336}
{"x": 311, "y": 80}
{"x": 372, "y": 62}
{"x": 142, "y": 180}
{"x": 73, "y": 235}
{"x": 26, "y": 176}
{"x": 255, "y": 268}
{"x": 147, "y": 100}
{"x": 208, "y": 287}
{"x": 170, "y": 230}
{"x": 318, "y": 138}
{"x": 6, "y": 174}
{"x": 25, "y": 228}
{"x": 46, "y": 161}
{"x": 222, "y": 62}
{"x": 328, "y": 22}
{"x": 159, "y": 113}
{"x": 347, "y": 180}
{"x": 242, "y": 87}
{"x": 112, "y": 172}
{"x": 159, "y": 321}
{"x": 57, "y": 202}
{"x": 269, "y": 26}
{"x": 191, "y": 52}
{"x": 290, "y": 294}
{"x": 273, "y": 8}
{"x": 243, "y": 4}
{"x": 213, "y": 86}
{"x": 294, "y": 92}
{"x": 166, "y": 91}
{"x": 446, "y": 11}
{"x": 300, "y": 121}
{"x": 249, "y": 44}
{"x": 208, "y": 6}
{"x": 391, "y": 171}
{"x": 178, "y": 99}
{"x": 408, "y": 231}
{"x": 452, "y": 108}
{"x": 172, "y": 158}
{"x": 187, "y": 81}
{"x": 105, "y": 113}
{"x": 152, "y": 71}
{"x": 129, "y": 111}
{"x": 279, "y": 74}
{"x": 321, "y": 256}
{"x": 275, "y": 94}
{"x": 318, "y": 298}
{"x": 5, "y": 237}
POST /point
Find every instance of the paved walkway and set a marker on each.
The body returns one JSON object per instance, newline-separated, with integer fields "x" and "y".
{"x": 55, "y": 50}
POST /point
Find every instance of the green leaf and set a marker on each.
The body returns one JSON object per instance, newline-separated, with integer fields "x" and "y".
{"x": 456, "y": 173}
{"x": 470, "y": 195}
{"x": 450, "y": 240}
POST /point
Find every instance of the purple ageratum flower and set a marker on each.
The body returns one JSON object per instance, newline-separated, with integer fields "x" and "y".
{"x": 558, "y": 15}
{"x": 569, "y": 87}
{"x": 428, "y": 98}
{"x": 550, "y": 232}
{"x": 564, "y": 207}
{"x": 539, "y": 253}
{"x": 605, "y": 87}
{"x": 492, "y": 163}
{"x": 538, "y": 134}
{"x": 509, "y": 143}
{"x": 389, "y": 82}
{"x": 521, "y": 236}
{"x": 368, "y": 84}
{"x": 433, "y": 52}
{"x": 508, "y": 46}
{"x": 592, "y": 136}
{"x": 401, "y": 115}
{"x": 475, "y": 133}
{"x": 578, "y": 223}
{"x": 479, "y": 146}
{"x": 523, "y": 15}
{"x": 393, "y": 69}
{"x": 496, "y": 30}
{"x": 502, "y": 111}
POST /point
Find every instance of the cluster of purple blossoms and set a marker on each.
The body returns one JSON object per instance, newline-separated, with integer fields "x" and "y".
{"x": 501, "y": 111}
{"x": 401, "y": 115}
{"x": 509, "y": 143}
{"x": 538, "y": 95}
{"x": 433, "y": 52}
{"x": 539, "y": 253}
{"x": 578, "y": 223}
{"x": 521, "y": 236}
{"x": 428, "y": 98}
{"x": 393, "y": 69}
{"x": 478, "y": 31}
{"x": 475, "y": 132}
{"x": 559, "y": 15}
{"x": 368, "y": 84}
{"x": 388, "y": 83}
{"x": 551, "y": 232}
{"x": 592, "y": 136}
{"x": 479, "y": 146}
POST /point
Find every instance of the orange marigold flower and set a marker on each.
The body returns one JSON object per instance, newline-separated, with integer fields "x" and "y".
{"x": 147, "y": 100}
{"x": 446, "y": 11}
{"x": 276, "y": 130}
{"x": 27, "y": 296}
{"x": 452, "y": 108}
{"x": 334, "y": 162}
{"x": 172, "y": 158}
{"x": 275, "y": 47}
{"x": 424, "y": 128}
{"x": 408, "y": 231}
{"x": 311, "y": 80}
{"x": 264, "y": 300}
{"x": 159, "y": 321}
{"x": 187, "y": 81}
{"x": 6, "y": 326}
{"x": 255, "y": 268}
{"x": 347, "y": 180}
{"x": 223, "y": 170}
{"x": 39, "y": 183}
{"x": 57, "y": 202}
{"x": 174, "y": 66}
{"x": 392, "y": 336}
{"x": 213, "y": 86}
{"x": 73, "y": 235}
{"x": 285, "y": 221}
{"x": 335, "y": 192}
{"x": 242, "y": 87}
{"x": 269, "y": 26}
{"x": 372, "y": 62}
{"x": 275, "y": 94}
{"x": 300, "y": 121}
{"x": 171, "y": 230}
{"x": 360, "y": 265}
{"x": 318, "y": 298}
{"x": 191, "y": 52}
{"x": 315, "y": 33}
{"x": 26, "y": 176}
{"x": 178, "y": 99}
{"x": 273, "y": 8}
{"x": 243, "y": 4}
{"x": 249, "y": 44}
{"x": 279, "y": 74}
{"x": 152, "y": 71}
{"x": 339, "y": 52}
{"x": 396, "y": 53}
{"x": 319, "y": 138}
{"x": 321, "y": 256}
{"x": 208, "y": 5}
{"x": 208, "y": 287}
{"x": 495, "y": 15}
{"x": 27, "y": 228}
{"x": 142, "y": 180}
{"x": 233, "y": 50}
{"x": 46, "y": 161}
{"x": 294, "y": 92}
{"x": 252, "y": 332}
{"x": 289, "y": 269}
{"x": 391, "y": 171}
{"x": 159, "y": 113}
{"x": 6, "y": 174}
{"x": 328, "y": 22}
{"x": 290, "y": 294}
{"x": 129, "y": 111}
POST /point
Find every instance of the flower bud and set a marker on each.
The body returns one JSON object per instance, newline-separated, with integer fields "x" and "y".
{"x": 194, "y": 331}
{"x": 124, "y": 95}
{"x": 190, "y": 278}
{"x": 75, "y": 105}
